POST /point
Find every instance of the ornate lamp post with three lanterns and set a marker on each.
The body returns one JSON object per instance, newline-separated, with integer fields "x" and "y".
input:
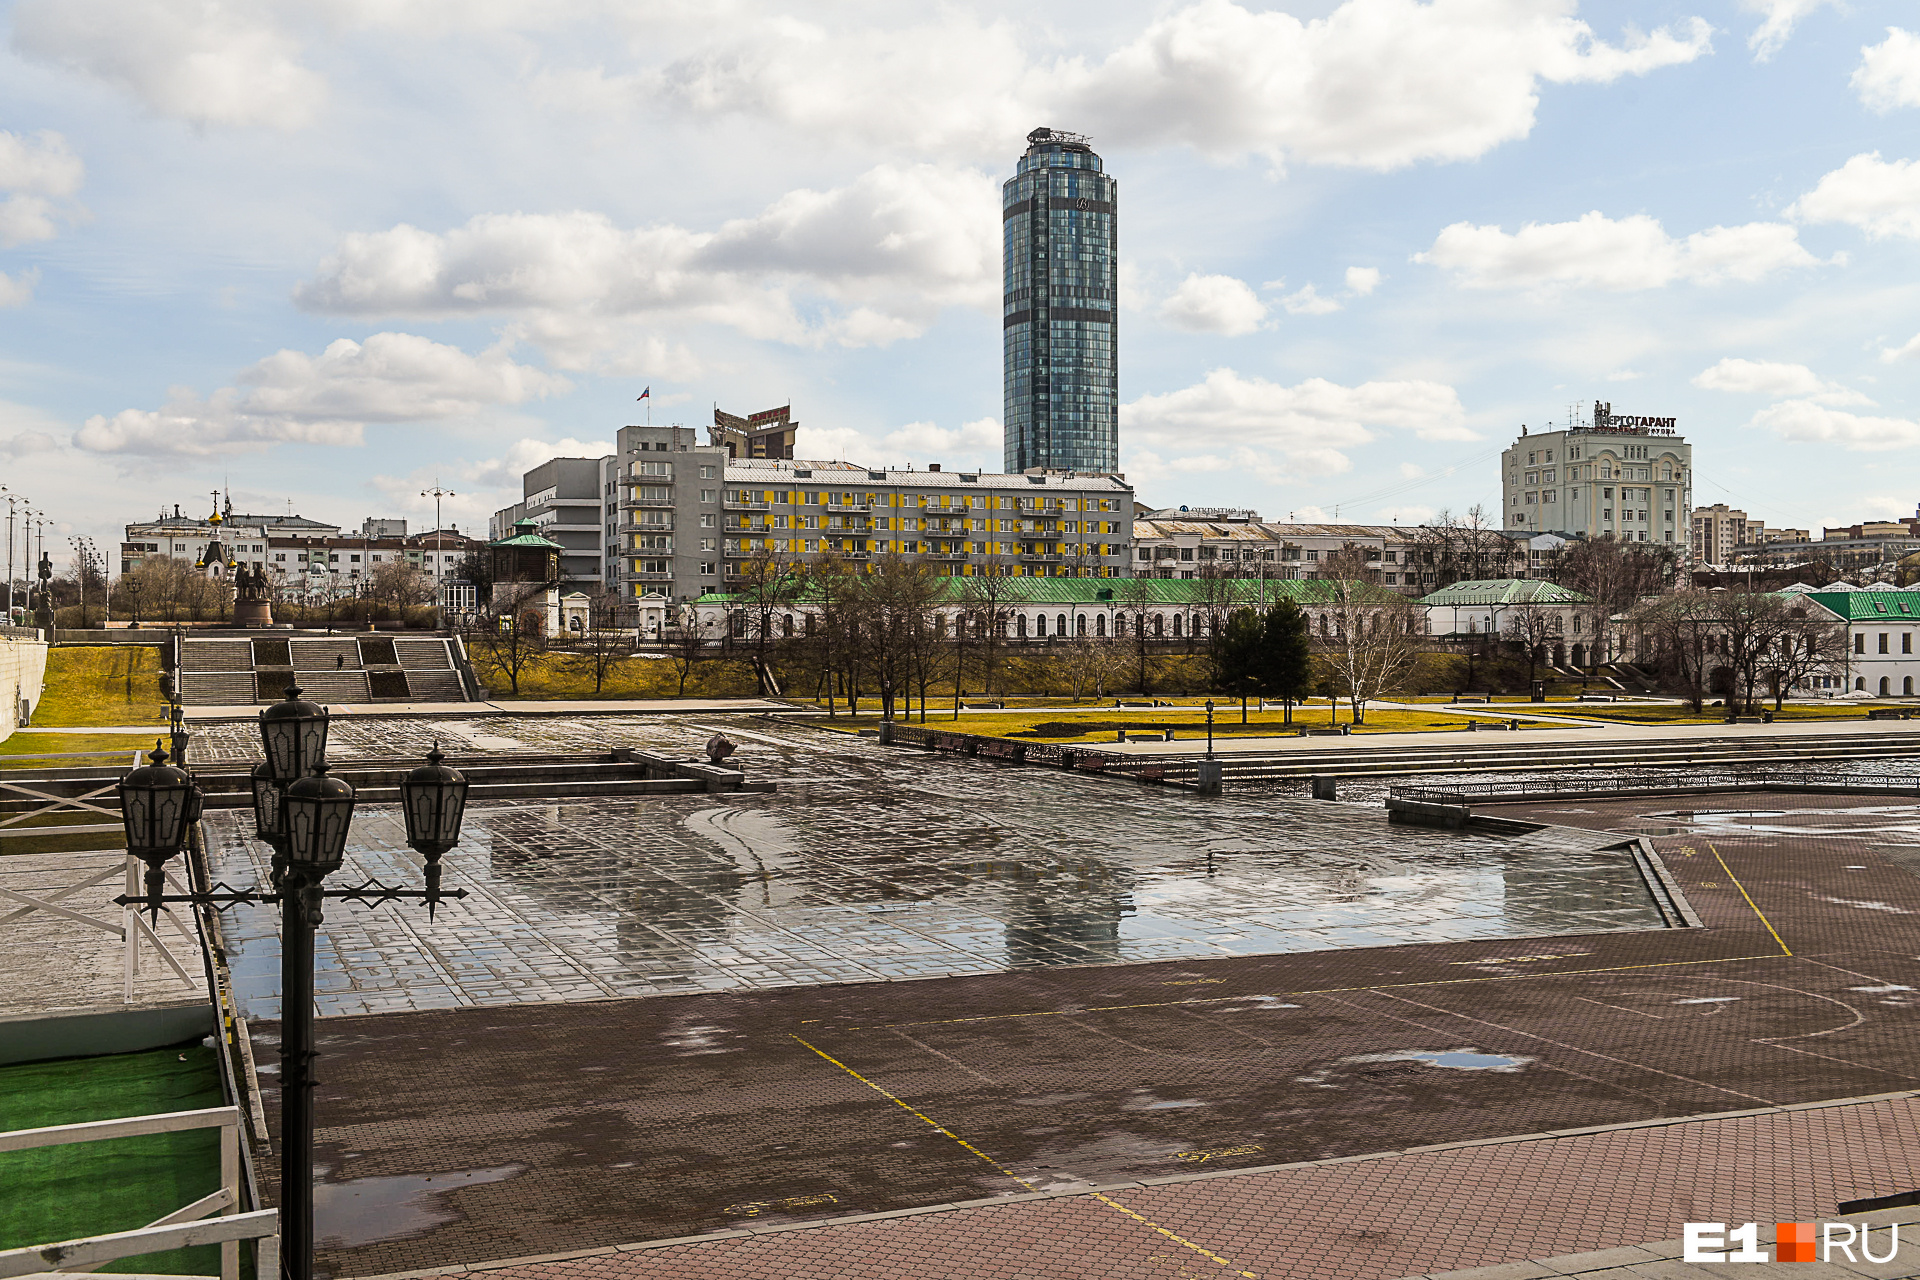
{"x": 304, "y": 815}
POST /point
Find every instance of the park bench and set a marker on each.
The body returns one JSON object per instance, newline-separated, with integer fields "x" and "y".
{"x": 1891, "y": 713}
{"x": 1598, "y": 697}
{"x": 1766, "y": 718}
{"x": 995, "y": 704}
{"x": 1325, "y": 730}
{"x": 997, "y": 750}
{"x": 1473, "y": 697}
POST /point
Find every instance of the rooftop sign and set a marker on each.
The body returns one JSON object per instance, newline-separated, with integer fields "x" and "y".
{"x": 1605, "y": 419}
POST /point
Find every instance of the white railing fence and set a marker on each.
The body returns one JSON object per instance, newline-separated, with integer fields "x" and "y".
{"x": 192, "y": 1224}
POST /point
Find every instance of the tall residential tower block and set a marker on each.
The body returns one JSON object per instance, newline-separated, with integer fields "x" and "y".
{"x": 1061, "y": 287}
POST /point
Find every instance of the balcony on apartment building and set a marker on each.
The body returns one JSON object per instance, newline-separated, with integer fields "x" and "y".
{"x": 634, "y": 501}
{"x": 743, "y": 504}
{"x": 634, "y": 526}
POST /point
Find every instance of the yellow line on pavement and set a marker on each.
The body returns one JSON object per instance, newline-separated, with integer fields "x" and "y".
{"x": 937, "y": 1127}
{"x": 1784, "y": 948}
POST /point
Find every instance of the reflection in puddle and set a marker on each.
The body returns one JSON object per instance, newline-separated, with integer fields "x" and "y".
{"x": 1452, "y": 1059}
{"x": 363, "y": 1211}
{"x": 1895, "y": 823}
{"x": 899, "y": 867}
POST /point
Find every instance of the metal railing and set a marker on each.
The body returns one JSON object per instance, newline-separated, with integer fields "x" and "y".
{"x": 1679, "y": 780}
{"x": 1152, "y": 769}
{"x": 742, "y": 504}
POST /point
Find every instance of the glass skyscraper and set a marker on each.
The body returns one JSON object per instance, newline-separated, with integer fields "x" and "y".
{"x": 1061, "y": 269}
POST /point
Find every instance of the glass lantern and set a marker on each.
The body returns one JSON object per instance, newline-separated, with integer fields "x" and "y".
{"x": 157, "y": 804}
{"x": 318, "y": 812}
{"x": 434, "y": 799}
{"x": 294, "y": 734}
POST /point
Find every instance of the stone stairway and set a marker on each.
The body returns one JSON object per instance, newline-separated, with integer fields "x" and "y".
{"x": 332, "y": 669}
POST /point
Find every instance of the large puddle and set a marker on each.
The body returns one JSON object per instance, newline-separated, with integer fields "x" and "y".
{"x": 872, "y": 864}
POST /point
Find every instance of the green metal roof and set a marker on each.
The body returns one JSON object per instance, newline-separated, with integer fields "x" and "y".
{"x": 1870, "y": 606}
{"x": 1230, "y": 593}
{"x": 1503, "y": 591}
{"x": 526, "y": 534}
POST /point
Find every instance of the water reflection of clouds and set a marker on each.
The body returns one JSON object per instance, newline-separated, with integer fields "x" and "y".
{"x": 1888, "y": 823}
{"x": 889, "y": 865}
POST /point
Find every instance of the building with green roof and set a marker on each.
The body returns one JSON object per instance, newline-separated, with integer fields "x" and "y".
{"x": 1881, "y": 623}
{"x": 1041, "y": 608}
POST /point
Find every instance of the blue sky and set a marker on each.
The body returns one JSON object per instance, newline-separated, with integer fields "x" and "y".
{"x": 327, "y": 251}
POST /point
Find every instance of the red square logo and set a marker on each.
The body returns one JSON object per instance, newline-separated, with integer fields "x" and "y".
{"x": 1793, "y": 1242}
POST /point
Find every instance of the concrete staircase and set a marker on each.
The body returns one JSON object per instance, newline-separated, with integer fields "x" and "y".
{"x": 335, "y": 669}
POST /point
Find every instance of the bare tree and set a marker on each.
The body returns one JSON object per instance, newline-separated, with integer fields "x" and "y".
{"x": 1684, "y": 632}
{"x": 514, "y": 634}
{"x": 1375, "y": 644}
{"x": 1137, "y": 594}
{"x": 1614, "y": 576}
{"x": 399, "y": 586}
{"x": 1461, "y": 549}
{"x": 687, "y": 644}
{"x": 604, "y": 643}
{"x": 988, "y": 597}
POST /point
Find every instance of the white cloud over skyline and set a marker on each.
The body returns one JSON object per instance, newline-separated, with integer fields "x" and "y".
{"x": 1880, "y": 197}
{"x": 888, "y": 251}
{"x": 1888, "y": 76}
{"x": 520, "y": 213}
{"x": 1621, "y": 255}
{"x": 327, "y": 399}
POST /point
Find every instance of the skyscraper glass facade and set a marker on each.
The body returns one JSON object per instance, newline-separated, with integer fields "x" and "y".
{"x": 1060, "y": 213}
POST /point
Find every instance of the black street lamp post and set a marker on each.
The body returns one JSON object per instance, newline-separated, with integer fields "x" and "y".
{"x": 304, "y": 815}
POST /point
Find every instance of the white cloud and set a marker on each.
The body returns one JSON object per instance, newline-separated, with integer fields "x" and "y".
{"x": 1308, "y": 425}
{"x": 221, "y": 62}
{"x": 977, "y": 443}
{"x": 1810, "y": 423}
{"x": 1889, "y": 72}
{"x": 1778, "y": 20}
{"x": 324, "y": 399}
{"x": 890, "y": 249}
{"x": 1308, "y": 302}
{"x": 1407, "y": 514}
{"x": 1599, "y": 252}
{"x": 1763, "y": 377}
{"x": 1214, "y": 304}
{"x": 38, "y": 175}
{"x": 1362, "y": 281}
{"x": 1909, "y": 350}
{"x": 17, "y": 291}
{"x": 1375, "y": 84}
{"x": 1625, "y": 375}
{"x": 1773, "y": 378}
{"x": 24, "y": 443}
{"x": 1881, "y": 199}
{"x": 523, "y": 455}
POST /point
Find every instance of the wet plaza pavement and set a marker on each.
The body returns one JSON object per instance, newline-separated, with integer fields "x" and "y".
{"x": 874, "y": 864}
{"x": 574, "y": 1125}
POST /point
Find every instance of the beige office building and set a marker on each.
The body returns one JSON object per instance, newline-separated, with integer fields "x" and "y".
{"x": 1622, "y": 476}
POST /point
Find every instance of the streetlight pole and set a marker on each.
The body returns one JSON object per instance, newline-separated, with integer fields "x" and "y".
{"x": 439, "y": 589}
{"x": 1209, "y": 728}
{"x": 12, "y": 498}
{"x": 305, "y": 816}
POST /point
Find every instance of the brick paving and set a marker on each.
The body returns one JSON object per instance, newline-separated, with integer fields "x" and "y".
{"x": 630, "y": 1120}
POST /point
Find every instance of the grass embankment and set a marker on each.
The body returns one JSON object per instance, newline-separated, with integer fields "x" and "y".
{"x": 566, "y": 677}
{"x": 89, "y": 1188}
{"x": 101, "y": 685}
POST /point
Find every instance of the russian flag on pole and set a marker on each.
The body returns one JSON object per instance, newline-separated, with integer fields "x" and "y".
{"x": 644, "y": 394}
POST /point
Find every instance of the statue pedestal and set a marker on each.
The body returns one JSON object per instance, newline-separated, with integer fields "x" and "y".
{"x": 252, "y": 613}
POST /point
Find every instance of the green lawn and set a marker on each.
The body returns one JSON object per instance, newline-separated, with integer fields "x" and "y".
{"x": 89, "y": 1188}
{"x": 101, "y": 685}
{"x": 564, "y": 677}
